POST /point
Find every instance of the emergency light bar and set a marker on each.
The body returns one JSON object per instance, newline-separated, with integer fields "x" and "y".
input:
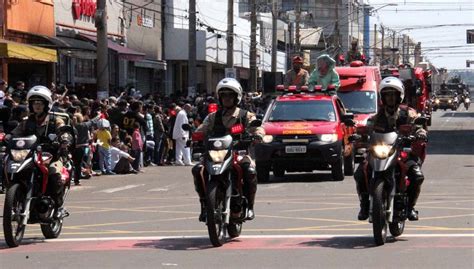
{"x": 292, "y": 89}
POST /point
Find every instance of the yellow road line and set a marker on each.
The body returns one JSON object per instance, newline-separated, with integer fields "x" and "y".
{"x": 317, "y": 209}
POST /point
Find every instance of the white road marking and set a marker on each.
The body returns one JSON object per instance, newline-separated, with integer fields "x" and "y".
{"x": 159, "y": 189}
{"x": 121, "y": 188}
{"x": 165, "y": 188}
{"x": 324, "y": 236}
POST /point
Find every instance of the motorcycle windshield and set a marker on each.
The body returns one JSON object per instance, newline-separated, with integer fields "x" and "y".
{"x": 383, "y": 138}
{"x": 22, "y": 142}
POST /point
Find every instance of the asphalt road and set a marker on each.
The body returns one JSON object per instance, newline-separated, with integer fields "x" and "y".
{"x": 303, "y": 221}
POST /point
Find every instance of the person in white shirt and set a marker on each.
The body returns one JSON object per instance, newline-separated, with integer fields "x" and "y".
{"x": 182, "y": 136}
{"x": 121, "y": 161}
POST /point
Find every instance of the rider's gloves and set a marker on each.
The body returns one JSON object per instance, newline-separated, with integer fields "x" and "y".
{"x": 421, "y": 134}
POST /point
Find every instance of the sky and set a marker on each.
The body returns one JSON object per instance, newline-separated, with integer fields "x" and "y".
{"x": 434, "y": 41}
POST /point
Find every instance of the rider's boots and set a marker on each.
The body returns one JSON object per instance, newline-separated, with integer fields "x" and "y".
{"x": 250, "y": 187}
{"x": 202, "y": 215}
{"x": 416, "y": 176}
{"x": 364, "y": 207}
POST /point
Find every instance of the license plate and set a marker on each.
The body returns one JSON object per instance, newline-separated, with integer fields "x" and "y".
{"x": 295, "y": 149}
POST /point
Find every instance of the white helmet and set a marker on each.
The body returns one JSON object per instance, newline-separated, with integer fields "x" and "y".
{"x": 231, "y": 84}
{"x": 392, "y": 84}
{"x": 43, "y": 93}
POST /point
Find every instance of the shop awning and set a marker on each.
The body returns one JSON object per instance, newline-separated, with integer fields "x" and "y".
{"x": 158, "y": 65}
{"x": 124, "y": 52}
{"x": 64, "y": 42}
{"x": 10, "y": 49}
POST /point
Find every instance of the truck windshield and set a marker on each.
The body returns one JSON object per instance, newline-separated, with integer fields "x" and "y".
{"x": 303, "y": 111}
{"x": 359, "y": 102}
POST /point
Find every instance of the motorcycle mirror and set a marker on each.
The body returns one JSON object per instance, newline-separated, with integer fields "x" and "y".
{"x": 52, "y": 137}
{"x": 256, "y": 123}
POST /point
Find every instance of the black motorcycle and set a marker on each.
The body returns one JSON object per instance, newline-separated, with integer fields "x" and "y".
{"x": 386, "y": 172}
{"x": 226, "y": 205}
{"x": 26, "y": 200}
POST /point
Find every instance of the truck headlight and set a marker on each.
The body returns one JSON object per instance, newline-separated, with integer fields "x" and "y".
{"x": 328, "y": 137}
{"x": 436, "y": 101}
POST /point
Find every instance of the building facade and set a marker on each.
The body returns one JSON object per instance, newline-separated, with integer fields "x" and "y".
{"x": 25, "y": 26}
{"x": 211, "y": 46}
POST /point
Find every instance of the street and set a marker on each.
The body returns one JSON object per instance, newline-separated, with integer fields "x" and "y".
{"x": 150, "y": 220}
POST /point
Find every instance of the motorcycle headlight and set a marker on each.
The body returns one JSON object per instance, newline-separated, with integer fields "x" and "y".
{"x": 467, "y": 100}
{"x": 437, "y": 101}
{"x": 217, "y": 156}
{"x": 328, "y": 137}
{"x": 267, "y": 139}
{"x": 382, "y": 151}
{"x": 19, "y": 155}
{"x": 450, "y": 101}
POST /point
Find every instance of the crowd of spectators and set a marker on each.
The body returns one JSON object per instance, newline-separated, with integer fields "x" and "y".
{"x": 119, "y": 134}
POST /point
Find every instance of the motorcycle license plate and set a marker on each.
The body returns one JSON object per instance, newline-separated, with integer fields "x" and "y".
{"x": 295, "y": 149}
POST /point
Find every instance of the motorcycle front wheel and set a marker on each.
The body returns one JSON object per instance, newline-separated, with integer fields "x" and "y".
{"x": 53, "y": 229}
{"x": 13, "y": 229}
{"x": 215, "y": 217}
{"x": 379, "y": 213}
{"x": 234, "y": 229}
{"x": 397, "y": 227}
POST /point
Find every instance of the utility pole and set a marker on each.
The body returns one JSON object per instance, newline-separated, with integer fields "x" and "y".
{"x": 297, "y": 28}
{"x": 230, "y": 33}
{"x": 274, "y": 35}
{"x": 102, "y": 49}
{"x": 383, "y": 41}
{"x": 393, "y": 47}
{"x": 253, "y": 45}
{"x": 375, "y": 44}
{"x": 403, "y": 49}
{"x": 192, "y": 69}
{"x": 336, "y": 26}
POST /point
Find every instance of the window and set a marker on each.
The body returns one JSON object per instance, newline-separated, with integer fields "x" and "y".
{"x": 302, "y": 111}
{"x": 85, "y": 68}
{"x": 359, "y": 102}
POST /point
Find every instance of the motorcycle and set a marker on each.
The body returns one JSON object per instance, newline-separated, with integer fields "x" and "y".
{"x": 467, "y": 102}
{"x": 26, "y": 201}
{"x": 226, "y": 205}
{"x": 386, "y": 178}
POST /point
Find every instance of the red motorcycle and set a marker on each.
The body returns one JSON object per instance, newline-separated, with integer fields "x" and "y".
{"x": 26, "y": 200}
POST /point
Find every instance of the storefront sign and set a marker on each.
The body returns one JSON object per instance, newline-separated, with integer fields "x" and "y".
{"x": 83, "y": 8}
{"x": 145, "y": 21}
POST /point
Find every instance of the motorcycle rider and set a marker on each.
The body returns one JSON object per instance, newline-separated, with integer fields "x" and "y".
{"x": 229, "y": 92}
{"x": 391, "y": 115}
{"x": 42, "y": 124}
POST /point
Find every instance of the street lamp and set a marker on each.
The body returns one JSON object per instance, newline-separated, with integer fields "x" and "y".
{"x": 386, "y": 5}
